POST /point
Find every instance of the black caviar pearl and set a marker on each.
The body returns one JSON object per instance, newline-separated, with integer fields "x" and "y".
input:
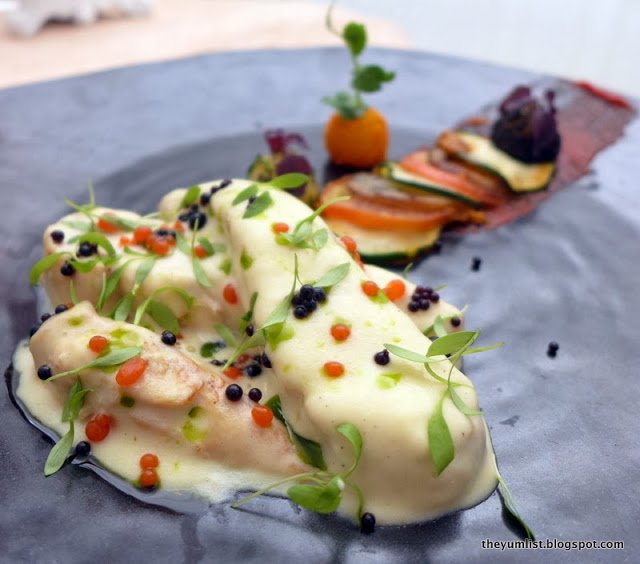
{"x": 382, "y": 357}
{"x": 233, "y": 392}
{"x": 67, "y": 269}
{"x": 162, "y": 232}
{"x": 255, "y": 394}
{"x": 475, "y": 263}
{"x": 45, "y": 372}
{"x": 34, "y": 330}
{"x": 184, "y": 217}
{"x": 258, "y": 358}
{"x": 197, "y": 220}
{"x": 194, "y": 207}
{"x": 311, "y": 306}
{"x": 320, "y": 295}
{"x": 252, "y": 199}
{"x": 455, "y": 321}
{"x": 83, "y": 449}
{"x": 306, "y": 292}
{"x": 266, "y": 361}
{"x": 172, "y": 233}
{"x": 367, "y": 523}
{"x": 253, "y": 370}
{"x": 225, "y": 183}
{"x": 424, "y": 304}
{"x": 57, "y": 236}
{"x": 86, "y": 249}
{"x": 217, "y": 362}
{"x": 296, "y": 300}
{"x": 44, "y": 317}
{"x": 413, "y": 306}
{"x": 204, "y": 198}
{"x": 61, "y": 308}
{"x": 300, "y": 312}
{"x": 435, "y": 298}
{"x": 552, "y": 349}
{"x": 249, "y": 330}
{"x": 168, "y": 338}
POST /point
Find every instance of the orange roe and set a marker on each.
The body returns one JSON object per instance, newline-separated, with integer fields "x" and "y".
{"x": 262, "y": 415}
{"x": 349, "y": 244}
{"x": 97, "y": 429}
{"x": 98, "y": 343}
{"x": 141, "y": 234}
{"x": 148, "y": 478}
{"x": 280, "y": 228}
{"x": 200, "y": 251}
{"x": 158, "y": 245}
{"x": 124, "y": 241}
{"x": 395, "y": 289}
{"x": 104, "y": 225}
{"x": 229, "y": 294}
{"x": 334, "y": 369}
{"x": 370, "y": 288}
{"x": 340, "y": 332}
{"x": 232, "y": 372}
{"x": 131, "y": 371}
{"x": 149, "y": 460}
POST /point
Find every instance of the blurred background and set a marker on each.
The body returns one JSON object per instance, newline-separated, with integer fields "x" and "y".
{"x": 594, "y": 40}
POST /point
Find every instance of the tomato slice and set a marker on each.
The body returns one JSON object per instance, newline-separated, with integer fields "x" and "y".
{"x": 377, "y": 215}
{"x": 480, "y": 186}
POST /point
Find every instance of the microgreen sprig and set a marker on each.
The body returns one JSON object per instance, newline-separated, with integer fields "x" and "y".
{"x": 72, "y": 406}
{"x": 114, "y": 357}
{"x": 161, "y": 313}
{"x": 364, "y": 78}
{"x": 321, "y": 491}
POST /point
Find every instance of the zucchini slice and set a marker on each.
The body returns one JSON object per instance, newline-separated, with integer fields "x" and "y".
{"x": 520, "y": 177}
{"x": 395, "y": 172}
{"x": 384, "y": 247}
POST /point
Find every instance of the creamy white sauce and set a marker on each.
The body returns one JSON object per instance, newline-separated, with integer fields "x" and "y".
{"x": 395, "y": 473}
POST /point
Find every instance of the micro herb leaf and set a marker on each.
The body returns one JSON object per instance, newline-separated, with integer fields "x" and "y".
{"x": 183, "y": 245}
{"x": 245, "y": 260}
{"x": 44, "y": 264}
{"x": 510, "y": 506}
{"x": 98, "y": 239}
{"x": 225, "y": 266}
{"x": 321, "y": 499}
{"x": 73, "y": 296}
{"x": 256, "y": 340}
{"x": 211, "y": 248}
{"x": 303, "y": 229}
{"x": 114, "y": 357}
{"x": 163, "y": 316}
{"x": 226, "y": 334}
{"x": 200, "y": 274}
{"x": 78, "y": 225}
{"x": 289, "y": 181}
{"x": 319, "y": 239}
{"x": 309, "y": 451}
{"x": 261, "y": 203}
{"x": 74, "y": 401}
{"x": 142, "y": 308}
{"x": 280, "y": 313}
{"x": 352, "y": 434}
{"x": 406, "y": 270}
{"x": 355, "y": 36}
{"x": 438, "y": 327}
{"x": 440, "y": 441}
{"x": 143, "y": 270}
{"x": 121, "y": 312}
{"x": 82, "y": 265}
{"x": 370, "y": 78}
{"x": 347, "y": 105}
{"x": 430, "y": 330}
{"x": 109, "y": 285}
{"x": 453, "y": 343}
{"x": 334, "y": 276}
{"x": 120, "y": 222}
{"x": 58, "y": 454}
{"x": 245, "y": 194}
{"x": 246, "y": 318}
{"x": 476, "y": 350}
{"x": 406, "y": 354}
{"x": 459, "y": 403}
{"x": 190, "y": 196}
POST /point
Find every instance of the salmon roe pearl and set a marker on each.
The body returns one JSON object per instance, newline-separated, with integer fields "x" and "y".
{"x": 104, "y": 225}
{"x": 229, "y": 294}
{"x": 149, "y": 460}
{"x": 160, "y": 246}
{"x": 395, "y": 289}
{"x": 98, "y": 428}
{"x": 98, "y": 343}
{"x": 262, "y": 415}
{"x": 349, "y": 244}
{"x": 200, "y": 251}
{"x": 148, "y": 478}
{"x": 141, "y": 234}
{"x": 232, "y": 372}
{"x": 370, "y": 288}
{"x": 280, "y": 228}
{"x": 131, "y": 371}
{"x": 124, "y": 241}
{"x": 340, "y": 332}
{"x": 334, "y": 369}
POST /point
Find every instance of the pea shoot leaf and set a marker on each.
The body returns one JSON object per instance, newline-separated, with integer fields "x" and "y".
{"x": 74, "y": 401}
{"x": 260, "y": 204}
{"x": 44, "y": 264}
{"x": 200, "y": 274}
{"x": 352, "y": 434}
{"x": 321, "y": 499}
{"x": 121, "y": 312}
{"x": 246, "y": 318}
{"x": 109, "y": 285}
{"x": 334, "y": 276}
{"x": 226, "y": 334}
{"x": 355, "y": 36}
{"x": 58, "y": 454}
{"x": 245, "y": 194}
{"x": 190, "y": 197}
{"x": 143, "y": 270}
{"x": 440, "y": 442}
{"x": 451, "y": 344}
{"x": 163, "y": 316}
{"x": 289, "y": 181}
{"x": 370, "y": 78}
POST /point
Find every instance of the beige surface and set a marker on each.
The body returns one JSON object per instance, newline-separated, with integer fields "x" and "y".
{"x": 174, "y": 29}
